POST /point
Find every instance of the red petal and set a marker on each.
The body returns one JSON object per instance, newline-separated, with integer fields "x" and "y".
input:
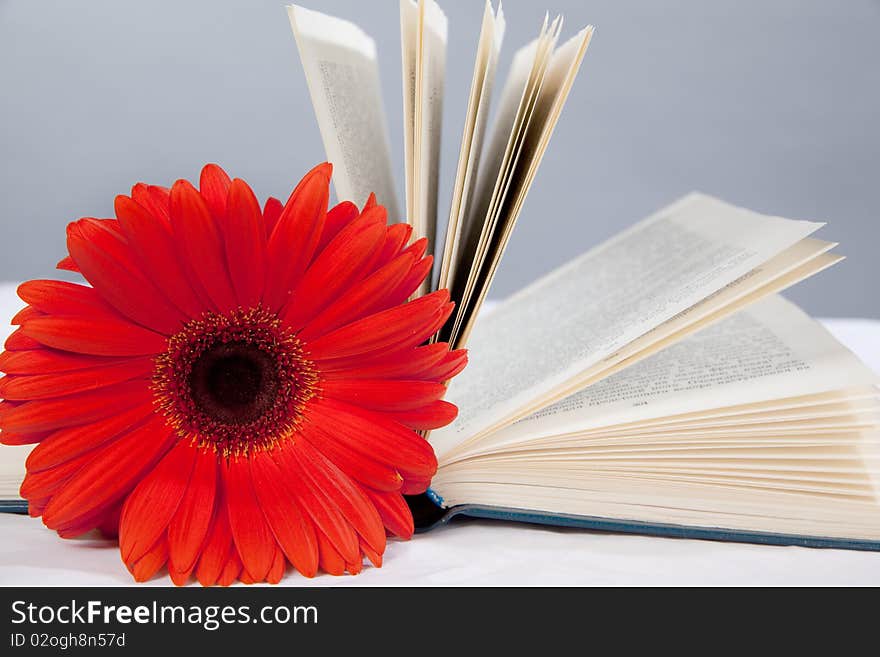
{"x": 409, "y": 284}
{"x": 271, "y": 212}
{"x": 293, "y": 531}
{"x": 335, "y": 269}
{"x": 18, "y": 341}
{"x": 155, "y": 200}
{"x": 383, "y": 394}
{"x": 375, "y": 436}
{"x": 245, "y": 244}
{"x": 415, "y": 485}
{"x": 395, "y": 237}
{"x": 43, "y": 485}
{"x": 189, "y": 527}
{"x": 295, "y": 238}
{"x": 452, "y": 364}
{"x": 152, "y": 241}
{"x": 214, "y": 185}
{"x": 7, "y": 438}
{"x": 394, "y": 511}
{"x": 432, "y": 416}
{"x": 252, "y": 536}
{"x": 276, "y": 572}
{"x": 316, "y": 503}
{"x": 63, "y": 298}
{"x": 66, "y": 444}
{"x": 246, "y": 578}
{"x": 371, "y": 201}
{"x": 355, "y": 464}
{"x": 26, "y": 313}
{"x": 83, "y": 525}
{"x": 344, "y": 494}
{"x": 374, "y": 557}
{"x": 231, "y": 570}
{"x": 338, "y": 217}
{"x": 109, "y": 526}
{"x": 218, "y": 544}
{"x": 360, "y": 300}
{"x": 107, "y": 262}
{"x": 372, "y": 263}
{"x": 399, "y": 364}
{"x": 42, "y": 415}
{"x": 418, "y": 248}
{"x": 151, "y": 562}
{"x": 44, "y": 386}
{"x": 331, "y": 561}
{"x": 45, "y": 361}
{"x": 354, "y": 567}
{"x": 35, "y": 507}
{"x": 110, "y": 475}
{"x": 152, "y": 504}
{"x": 400, "y": 327}
{"x": 67, "y": 264}
{"x": 179, "y": 577}
{"x": 95, "y": 336}
{"x": 200, "y": 244}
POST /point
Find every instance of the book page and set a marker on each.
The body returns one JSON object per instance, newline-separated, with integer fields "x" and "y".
{"x": 520, "y": 139}
{"x": 804, "y": 405}
{"x": 543, "y": 50}
{"x": 409, "y": 55}
{"x": 512, "y": 96}
{"x": 763, "y": 281}
{"x": 341, "y": 71}
{"x": 513, "y": 106}
{"x": 491, "y": 36}
{"x": 771, "y": 350}
{"x": 584, "y": 312}
{"x": 839, "y": 414}
{"x": 431, "y": 85}
{"x": 423, "y": 36}
{"x": 561, "y": 73}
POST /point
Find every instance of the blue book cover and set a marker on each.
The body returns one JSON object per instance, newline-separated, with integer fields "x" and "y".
{"x": 429, "y": 512}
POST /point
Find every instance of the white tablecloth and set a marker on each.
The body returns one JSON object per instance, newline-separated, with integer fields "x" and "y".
{"x": 477, "y": 552}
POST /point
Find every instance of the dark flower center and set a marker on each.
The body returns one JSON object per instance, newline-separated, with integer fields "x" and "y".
{"x": 234, "y": 382}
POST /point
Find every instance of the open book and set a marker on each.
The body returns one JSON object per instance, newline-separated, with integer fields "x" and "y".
{"x": 655, "y": 384}
{"x": 659, "y": 384}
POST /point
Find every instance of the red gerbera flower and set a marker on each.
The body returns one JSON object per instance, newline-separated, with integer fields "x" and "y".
{"x": 238, "y": 389}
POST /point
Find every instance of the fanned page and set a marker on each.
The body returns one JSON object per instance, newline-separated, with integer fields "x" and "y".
{"x": 560, "y": 77}
{"x": 409, "y": 56}
{"x": 685, "y": 266}
{"x": 761, "y": 423}
{"x": 517, "y": 96}
{"x": 531, "y": 103}
{"x": 423, "y": 48}
{"x": 342, "y": 74}
{"x": 476, "y": 116}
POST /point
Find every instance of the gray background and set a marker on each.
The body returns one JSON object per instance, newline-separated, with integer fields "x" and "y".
{"x": 772, "y": 105}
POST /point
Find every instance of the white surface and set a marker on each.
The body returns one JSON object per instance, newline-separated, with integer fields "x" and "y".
{"x": 483, "y": 552}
